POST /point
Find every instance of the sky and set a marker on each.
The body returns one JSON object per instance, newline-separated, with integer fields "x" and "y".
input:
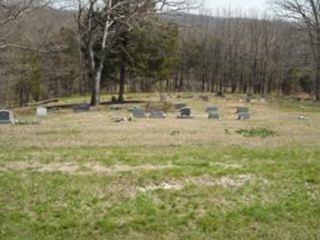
{"x": 246, "y": 5}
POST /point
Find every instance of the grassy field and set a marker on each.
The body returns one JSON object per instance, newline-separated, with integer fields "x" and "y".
{"x": 83, "y": 176}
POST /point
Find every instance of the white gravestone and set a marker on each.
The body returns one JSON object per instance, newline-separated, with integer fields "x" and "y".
{"x": 42, "y": 112}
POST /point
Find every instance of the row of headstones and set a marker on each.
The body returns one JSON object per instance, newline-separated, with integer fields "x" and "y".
{"x": 140, "y": 113}
{"x": 213, "y": 112}
{"x": 7, "y": 116}
{"x": 186, "y": 113}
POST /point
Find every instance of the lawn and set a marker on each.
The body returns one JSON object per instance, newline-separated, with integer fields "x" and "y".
{"x": 83, "y": 176}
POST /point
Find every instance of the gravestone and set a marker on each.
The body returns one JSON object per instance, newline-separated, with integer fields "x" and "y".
{"x": 138, "y": 113}
{"x": 158, "y": 114}
{"x": 6, "y": 117}
{"x": 220, "y": 94}
{"x": 213, "y": 112}
{"x": 185, "y": 113}
{"x": 179, "y": 106}
{"x": 42, "y": 112}
{"x": 243, "y": 113}
{"x": 212, "y": 109}
{"x": 83, "y": 107}
{"x": 249, "y": 97}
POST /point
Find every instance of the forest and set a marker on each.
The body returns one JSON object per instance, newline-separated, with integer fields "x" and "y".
{"x": 48, "y": 51}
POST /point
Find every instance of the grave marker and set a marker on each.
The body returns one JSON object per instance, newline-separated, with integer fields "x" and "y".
{"x": 243, "y": 113}
{"x": 6, "y": 117}
{"x": 220, "y": 94}
{"x": 138, "y": 113}
{"x": 185, "y": 113}
{"x": 249, "y": 97}
{"x": 42, "y": 112}
{"x": 213, "y": 112}
{"x": 83, "y": 107}
{"x": 158, "y": 114}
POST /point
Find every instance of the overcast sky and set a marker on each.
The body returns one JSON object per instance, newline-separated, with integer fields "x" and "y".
{"x": 260, "y": 5}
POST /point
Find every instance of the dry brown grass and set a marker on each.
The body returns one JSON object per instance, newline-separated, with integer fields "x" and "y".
{"x": 96, "y": 128}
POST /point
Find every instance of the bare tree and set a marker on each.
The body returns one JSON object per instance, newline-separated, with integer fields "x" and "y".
{"x": 101, "y": 24}
{"x": 306, "y": 16}
{"x": 13, "y": 10}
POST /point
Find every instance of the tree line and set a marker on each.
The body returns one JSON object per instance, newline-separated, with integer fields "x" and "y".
{"x": 119, "y": 46}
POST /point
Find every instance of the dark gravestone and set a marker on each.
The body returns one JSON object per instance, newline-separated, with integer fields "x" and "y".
{"x": 220, "y": 94}
{"x": 213, "y": 112}
{"x": 159, "y": 114}
{"x": 84, "y": 107}
{"x": 212, "y": 109}
{"x": 138, "y": 113}
{"x": 185, "y": 113}
{"x": 249, "y": 97}
{"x": 179, "y": 106}
{"x": 243, "y": 113}
{"x": 6, "y": 117}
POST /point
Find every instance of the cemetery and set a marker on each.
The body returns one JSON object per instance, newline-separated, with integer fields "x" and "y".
{"x": 159, "y": 120}
{"x": 123, "y": 168}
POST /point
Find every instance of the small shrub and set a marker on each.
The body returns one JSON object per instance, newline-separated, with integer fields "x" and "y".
{"x": 175, "y": 132}
{"x": 256, "y": 132}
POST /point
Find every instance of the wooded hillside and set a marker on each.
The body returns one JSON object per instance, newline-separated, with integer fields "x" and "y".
{"x": 43, "y": 57}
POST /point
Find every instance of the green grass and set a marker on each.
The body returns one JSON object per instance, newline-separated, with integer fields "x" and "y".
{"x": 281, "y": 202}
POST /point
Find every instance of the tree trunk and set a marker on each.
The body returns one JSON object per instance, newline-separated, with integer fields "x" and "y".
{"x": 317, "y": 81}
{"x": 96, "y": 87}
{"x": 123, "y": 69}
{"x": 203, "y": 87}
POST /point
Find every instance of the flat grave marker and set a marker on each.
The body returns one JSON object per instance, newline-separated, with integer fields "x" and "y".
{"x": 83, "y": 107}
{"x": 158, "y": 114}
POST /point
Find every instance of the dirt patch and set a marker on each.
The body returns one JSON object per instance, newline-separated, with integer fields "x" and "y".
{"x": 77, "y": 169}
{"x": 167, "y": 185}
{"x": 99, "y": 168}
{"x": 69, "y": 167}
{"x": 228, "y": 181}
{"x": 227, "y": 165}
{"x": 203, "y": 181}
